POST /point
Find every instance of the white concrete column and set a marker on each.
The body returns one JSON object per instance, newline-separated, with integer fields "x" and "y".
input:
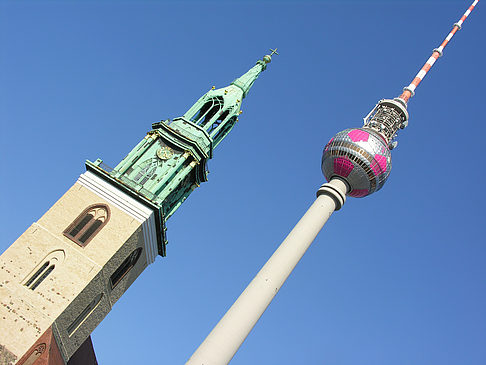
{"x": 224, "y": 340}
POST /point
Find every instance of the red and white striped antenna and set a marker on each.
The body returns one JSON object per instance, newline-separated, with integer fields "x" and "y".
{"x": 409, "y": 91}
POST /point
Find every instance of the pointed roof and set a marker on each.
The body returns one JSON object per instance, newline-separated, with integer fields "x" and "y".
{"x": 245, "y": 82}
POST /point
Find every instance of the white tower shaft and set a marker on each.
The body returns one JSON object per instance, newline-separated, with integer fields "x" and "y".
{"x": 224, "y": 340}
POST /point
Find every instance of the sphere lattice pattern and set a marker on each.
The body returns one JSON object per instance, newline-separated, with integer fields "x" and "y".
{"x": 359, "y": 156}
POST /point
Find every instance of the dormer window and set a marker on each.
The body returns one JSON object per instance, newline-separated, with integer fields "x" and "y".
{"x": 88, "y": 224}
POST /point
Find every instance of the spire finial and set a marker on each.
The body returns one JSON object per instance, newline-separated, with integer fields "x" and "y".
{"x": 246, "y": 81}
{"x": 268, "y": 57}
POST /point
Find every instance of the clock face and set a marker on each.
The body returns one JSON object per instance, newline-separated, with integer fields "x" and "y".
{"x": 164, "y": 153}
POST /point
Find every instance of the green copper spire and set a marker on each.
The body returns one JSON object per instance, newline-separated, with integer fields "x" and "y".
{"x": 216, "y": 112}
{"x": 245, "y": 82}
{"x": 165, "y": 167}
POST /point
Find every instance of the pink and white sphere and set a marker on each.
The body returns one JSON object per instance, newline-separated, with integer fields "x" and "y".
{"x": 359, "y": 156}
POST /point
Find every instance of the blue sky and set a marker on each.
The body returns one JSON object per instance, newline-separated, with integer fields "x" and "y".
{"x": 394, "y": 278}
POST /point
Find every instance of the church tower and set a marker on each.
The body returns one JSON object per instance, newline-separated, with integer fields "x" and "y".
{"x": 62, "y": 276}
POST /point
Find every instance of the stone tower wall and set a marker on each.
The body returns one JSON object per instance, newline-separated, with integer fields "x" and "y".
{"x": 81, "y": 275}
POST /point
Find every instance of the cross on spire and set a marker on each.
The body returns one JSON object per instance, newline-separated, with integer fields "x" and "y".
{"x": 274, "y": 51}
{"x": 268, "y": 57}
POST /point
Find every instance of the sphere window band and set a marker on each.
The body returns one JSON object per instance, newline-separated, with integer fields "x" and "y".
{"x": 368, "y": 156}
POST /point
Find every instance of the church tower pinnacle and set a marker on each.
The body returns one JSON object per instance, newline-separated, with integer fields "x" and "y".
{"x": 170, "y": 162}
{"x": 217, "y": 111}
{"x": 245, "y": 82}
{"x": 62, "y": 276}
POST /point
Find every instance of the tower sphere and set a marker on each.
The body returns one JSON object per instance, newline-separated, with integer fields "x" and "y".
{"x": 359, "y": 156}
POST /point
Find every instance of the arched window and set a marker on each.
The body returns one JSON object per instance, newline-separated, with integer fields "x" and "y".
{"x": 36, "y": 352}
{"x": 224, "y": 131}
{"x": 45, "y": 267}
{"x": 218, "y": 121}
{"x": 88, "y": 224}
{"x": 40, "y": 275}
{"x": 79, "y": 320}
{"x": 125, "y": 267}
{"x": 147, "y": 171}
{"x": 208, "y": 111}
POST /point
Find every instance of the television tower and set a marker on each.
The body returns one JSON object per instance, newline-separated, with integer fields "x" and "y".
{"x": 355, "y": 162}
